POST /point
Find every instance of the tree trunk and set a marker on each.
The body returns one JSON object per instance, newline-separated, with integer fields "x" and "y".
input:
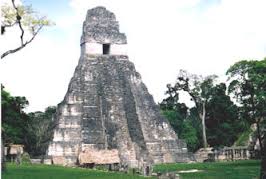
{"x": 3, "y": 164}
{"x": 259, "y": 136}
{"x": 263, "y": 159}
{"x": 205, "y": 144}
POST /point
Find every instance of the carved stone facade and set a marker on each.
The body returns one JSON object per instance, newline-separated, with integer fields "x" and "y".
{"x": 107, "y": 107}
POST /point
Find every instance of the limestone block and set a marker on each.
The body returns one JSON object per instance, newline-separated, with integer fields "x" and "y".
{"x": 59, "y": 160}
{"x": 88, "y": 147}
{"x": 88, "y": 76}
{"x": 58, "y": 136}
{"x": 47, "y": 161}
{"x": 35, "y": 161}
{"x": 118, "y": 49}
{"x": 92, "y": 48}
{"x": 99, "y": 156}
{"x": 55, "y": 149}
{"x": 168, "y": 158}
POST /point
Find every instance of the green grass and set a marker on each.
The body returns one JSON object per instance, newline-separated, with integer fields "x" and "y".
{"x": 247, "y": 169}
{"x": 58, "y": 172}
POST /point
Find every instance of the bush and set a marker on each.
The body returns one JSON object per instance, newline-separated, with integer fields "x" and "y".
{"x": 25, "y": 158}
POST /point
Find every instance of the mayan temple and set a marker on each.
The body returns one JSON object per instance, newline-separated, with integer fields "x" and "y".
{"x": 108, "y": 115}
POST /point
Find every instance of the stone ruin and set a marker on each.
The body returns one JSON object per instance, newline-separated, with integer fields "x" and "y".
{"x": 14, "y": 152}
{"x": 107, "y": 108}
{"x": 223, "y": 154}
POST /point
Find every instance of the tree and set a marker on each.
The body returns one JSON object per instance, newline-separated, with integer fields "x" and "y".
{"x": 248, "y": 84}
{"x": 3, "y": 164}
{"x": 222, "y": 119}
{"x": 198, "y": 88}
{"x": 185, "y": 125}
{"x": 174, "y": 111}
{"x": 26, "y": 19}
{"x": 33, "y": 130}
{"x": 39, "y": 131}
{"x": 12, "y": 119}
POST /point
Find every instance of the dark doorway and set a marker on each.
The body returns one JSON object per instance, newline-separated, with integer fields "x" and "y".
{"x": 106, "y": 49}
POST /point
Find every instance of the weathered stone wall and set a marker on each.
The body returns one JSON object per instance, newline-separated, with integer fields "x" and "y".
{"x": 108, "y": 107}
{"x": 101, "y": 26}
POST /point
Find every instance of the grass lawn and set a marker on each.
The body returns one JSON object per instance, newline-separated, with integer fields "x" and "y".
{"x": 248, "y": 169}
{"x": 245, "y": 169}
{"x": 58, "y": 172}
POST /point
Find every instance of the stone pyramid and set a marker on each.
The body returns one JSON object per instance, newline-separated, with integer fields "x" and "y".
{"x": 107, "y": 109}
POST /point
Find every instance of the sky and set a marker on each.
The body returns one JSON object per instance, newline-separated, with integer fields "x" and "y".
{"x": 201, "y": 36}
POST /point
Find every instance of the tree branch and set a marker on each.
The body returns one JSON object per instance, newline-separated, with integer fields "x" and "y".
{"x": 3, "y": 27}
{"x": 22, "y": 45}
{"x": 19, "y": 22}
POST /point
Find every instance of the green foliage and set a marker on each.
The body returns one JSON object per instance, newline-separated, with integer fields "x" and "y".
{"x": 222, "y": 120}
{"x": 243, "y": 138}
{"x": 197, "y": 86}
{"x": 57, "y": 172}
{"x": 245, "y": 169}
{"x": 190, "y": 135}
{"x": 174, "y": 119}
{"x": 185, "y": 125}
{"x": 30, "y": 19}
{"x": 248, "y": 84}
{"x": 34, "y": 130}
{"x": 25, "y": 158}
{"x": 199, "y": 89}
{"x": 40, "y": 131}
{"x": 13, "y": 117}
{"x": 186, "y": 129}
